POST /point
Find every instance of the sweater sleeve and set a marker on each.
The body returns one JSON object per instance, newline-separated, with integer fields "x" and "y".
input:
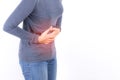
{"x": 18, "y": 15}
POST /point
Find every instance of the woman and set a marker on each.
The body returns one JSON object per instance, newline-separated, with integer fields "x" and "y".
{"x": 41, "y": 24}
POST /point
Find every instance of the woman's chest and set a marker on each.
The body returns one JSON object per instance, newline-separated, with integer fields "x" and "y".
{"x": 49, "y": 8}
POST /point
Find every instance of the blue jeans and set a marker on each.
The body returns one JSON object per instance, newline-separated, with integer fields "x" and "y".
{"x": 43, "y": 70}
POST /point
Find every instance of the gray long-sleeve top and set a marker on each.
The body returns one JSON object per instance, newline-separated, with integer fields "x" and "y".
{"x": 37, "y": 16}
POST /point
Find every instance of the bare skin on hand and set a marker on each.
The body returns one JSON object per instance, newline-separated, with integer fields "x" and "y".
{"x": 49, "y": 35}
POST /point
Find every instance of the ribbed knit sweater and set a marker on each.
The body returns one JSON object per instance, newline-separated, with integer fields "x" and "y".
{"x": 37, "y": 16}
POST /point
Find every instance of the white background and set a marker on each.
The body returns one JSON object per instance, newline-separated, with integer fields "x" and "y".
{"x": 88, "y": 48}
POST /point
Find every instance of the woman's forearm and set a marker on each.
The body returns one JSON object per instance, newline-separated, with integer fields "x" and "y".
{"x": 19, "y": 14}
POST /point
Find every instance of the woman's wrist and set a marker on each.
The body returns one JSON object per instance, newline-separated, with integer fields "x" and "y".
{"x": 39, "y": 40}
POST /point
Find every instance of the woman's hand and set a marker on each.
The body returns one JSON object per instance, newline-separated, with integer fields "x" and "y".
{"x": 49, "y": 35}
{"x": 44, "y": 38}
{"x": 54, "y": 32}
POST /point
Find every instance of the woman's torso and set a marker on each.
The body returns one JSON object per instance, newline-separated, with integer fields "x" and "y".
{"x": 44, "y": 15}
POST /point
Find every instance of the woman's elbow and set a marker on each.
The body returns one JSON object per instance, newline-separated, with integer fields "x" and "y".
{"x": 7, "y": 27}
